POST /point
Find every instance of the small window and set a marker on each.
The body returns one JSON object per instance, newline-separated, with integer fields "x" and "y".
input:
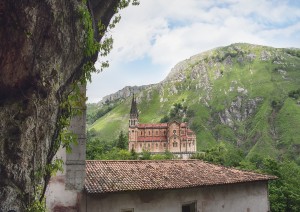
{"x": 174, "y": 131}
{"x": 189, "y": 207}
{"x": 156, "y": 145}
{"x": 165, "y": 144}
{"x": 156, "y": 132}
{"x": 149, "y": 132}
{"x": 141, "y": 145}
{"x": 183, "y": 145}
{"x": 127, "y": 210}
{"x": 132, "y": 131}
{"x": 175, "y": 144}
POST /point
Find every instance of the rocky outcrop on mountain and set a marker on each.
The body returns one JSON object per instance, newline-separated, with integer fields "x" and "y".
{"x": 239, "y": 110}
{"x": 41, "y": 55}
{"x": 177, "y": 73}
{"x": 123, "y": 93}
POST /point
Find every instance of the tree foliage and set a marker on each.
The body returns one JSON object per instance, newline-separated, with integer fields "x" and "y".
{"x": 284, "y": 192}
{"x": 122, "y": 141}
{"x": 167, "y": 155}
{"x": 293, "y": 52}
{"x": 221, "y": 154}
{"x": 179, "y": 113}
{"x": 295, "y": 94}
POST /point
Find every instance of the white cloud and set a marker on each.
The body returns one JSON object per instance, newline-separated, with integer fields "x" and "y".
{"x": 266, "y": 11}
{"x": 168, "y": 31}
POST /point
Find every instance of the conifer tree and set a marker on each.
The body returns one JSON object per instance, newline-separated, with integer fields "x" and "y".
{"x": 122, "y": 140}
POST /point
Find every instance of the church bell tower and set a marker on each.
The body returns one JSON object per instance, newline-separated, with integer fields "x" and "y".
{"x": 134, "y": 114}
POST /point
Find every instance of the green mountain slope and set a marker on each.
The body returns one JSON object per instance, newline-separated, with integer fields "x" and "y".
{"x": 238, "y": 94}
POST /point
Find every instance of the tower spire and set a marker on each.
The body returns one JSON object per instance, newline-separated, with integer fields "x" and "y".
{"x": 134, "y": 111}
{"x": 134, "y": 114}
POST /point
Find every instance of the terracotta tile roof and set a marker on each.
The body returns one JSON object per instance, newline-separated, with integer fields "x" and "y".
{"x": 152, "y": 138}
{"x": 115, "y": 176}
{"x": 156, "y": 125}
{"x": 190, "y": 131}
{"x": 183, "y": 124}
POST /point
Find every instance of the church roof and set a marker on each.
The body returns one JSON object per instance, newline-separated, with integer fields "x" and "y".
{"x": 190, "y": 132}
{"x": 183, "y": 124}
{"x": 135, "y": 175}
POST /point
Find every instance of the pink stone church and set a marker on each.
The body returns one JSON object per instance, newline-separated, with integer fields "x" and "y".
{"x": 159, "y": 137}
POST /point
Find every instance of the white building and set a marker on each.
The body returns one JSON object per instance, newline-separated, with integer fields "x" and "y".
{"x": 172, "y": 186}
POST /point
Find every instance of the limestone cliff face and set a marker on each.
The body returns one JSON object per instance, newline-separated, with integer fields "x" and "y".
{"x": 239, "y": 110}
{"x": 123, "y": 93}
{"x": 41, "y": 53}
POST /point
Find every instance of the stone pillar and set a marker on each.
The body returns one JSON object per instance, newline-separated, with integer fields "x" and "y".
{"x": 64, "y": 191}
{"x": 75, "y": 161}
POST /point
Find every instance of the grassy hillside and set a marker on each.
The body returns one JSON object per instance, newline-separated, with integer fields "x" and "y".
{"x": 238, "y": 94}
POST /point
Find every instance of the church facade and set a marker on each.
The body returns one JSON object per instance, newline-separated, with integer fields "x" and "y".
{"x": 174, "y": 136}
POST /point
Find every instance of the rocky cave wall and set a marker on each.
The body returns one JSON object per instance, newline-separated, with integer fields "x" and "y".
{"x": 41, "y": 53}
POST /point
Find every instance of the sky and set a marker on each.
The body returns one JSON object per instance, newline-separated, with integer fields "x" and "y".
{"x": 153, "y": 37}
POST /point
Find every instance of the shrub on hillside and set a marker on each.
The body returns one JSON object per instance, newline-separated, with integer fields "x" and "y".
{"x": 295, "y": 94}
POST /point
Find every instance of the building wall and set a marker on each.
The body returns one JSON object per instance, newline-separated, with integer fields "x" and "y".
{"x": 155, "y": 147}
{"x": 132, "y": 133}
{"x": 243, "y": 197}
{"x": 175, "y": 139}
